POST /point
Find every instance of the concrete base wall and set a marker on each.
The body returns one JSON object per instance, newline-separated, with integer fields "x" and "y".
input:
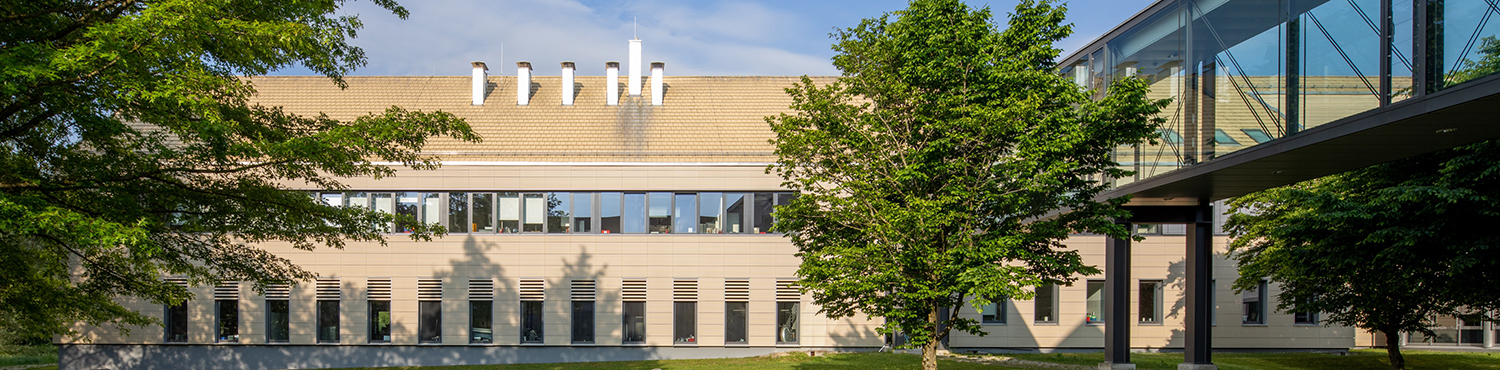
{"x": 174, "y": 357}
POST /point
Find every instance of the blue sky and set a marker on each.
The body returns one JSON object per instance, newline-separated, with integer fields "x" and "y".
{"x": 702, "y": 37}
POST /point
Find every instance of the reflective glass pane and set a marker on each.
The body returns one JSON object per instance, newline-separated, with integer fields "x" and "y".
{"x": 1339, "y": 62}
{"x": 278, "y": 321}
{"x": 583, "y": 321}
{"x": 685, "y": 322}
{"x": 634, "y": 216}
{"x": 1466, "y": 33}
{"x": 1149, "y": 310}
{"x": 380, "y": 321}
{"x": 787, "y": 317}
{"x": 559, "y": 213}
{"x": 176, "y": 322}
{"x": 736, "y": 322}
{"x": 229, "y": 320}
{"x": 357, "y": 199}
{"x": 535, "y": 211}
{"x": 684, "y": 213}
{"x": 385, "y": 203}
{"x": 1046, "y": 303}
{"x": 1401, "y": 63}
{"x": 659, "y": 212}
{"x": 583, "y": 213}
{"x": 484, "y": 213}
{"x": 510, "y": 212}
{"x": 764, "y": 205}
{"x": 734, "y": 212}
{"x": 406, "y": 208}
{"x": 458, "y": 212}
{"x": 710, "y": 207}
{"x": 481, "y": 325}
{"x": 1094, "y": 310}
{"x": 531, "y": 322}
{"x": 634, "y": 321}
{"x": 333, "y": 199}
{"x": 432, "y": 208}
{"x": 610, "y": 216}
{"x": 429, "y": 322}
{"x": 328, "y": 321}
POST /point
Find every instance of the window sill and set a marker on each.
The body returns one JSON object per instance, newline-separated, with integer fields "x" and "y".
{"x": 1097, "y": 323}
{"x": 481, "y": 344}
{"x": 1158, "y": 323}
{"x": 584, "y": 344}
{"x": 1044, "y": 323}
{"x": 1255, "y": 325}
{"x": 993, "y": 323}
{"x": 1309, "y": 325}
{"x": 693, "y": 345}
{"x": 737, "y": 344}
{"x": 533, "y": 344}
{"x": 370, "y": 343}
{"x": 633, "y": 344}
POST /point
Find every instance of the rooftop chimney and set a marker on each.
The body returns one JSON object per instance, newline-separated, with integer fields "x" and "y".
{"x": 481, "y": 78}
{"x": 656, "y": 88}
{"x": 567, "y": 83}
{"x": 634, "y": 84}
{"x": 612, "y": 83}
{"x": 523, "y": 83}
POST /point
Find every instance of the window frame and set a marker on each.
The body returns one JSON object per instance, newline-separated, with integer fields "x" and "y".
{"x": 591, "y": 319}
{"x": 435, "y": 308}
{"x": 685, "y": 321}
{"x": 374, "y": 321}
{"x": 219, "y": 321}
{"x": 1089, "y": 318}
{"x": 744, "y": 323}
{"x": 625, "y": 321}
{"x": 489, "y": 316}
{"x": 175, "y": 318}
{"x": 537, "y": 322}
{"x": 796, "y": 324}
{"x": 1036, "y": 317}
{"x": 1260, "y": 304}
{"x": 337, "y": 321}
{"x": 1155, "y": 300}
{"x": 1002, "y": 312}
{"x": 271, "y": 328}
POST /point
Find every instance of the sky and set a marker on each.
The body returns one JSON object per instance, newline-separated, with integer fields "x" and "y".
{"x": 693, "y": 38}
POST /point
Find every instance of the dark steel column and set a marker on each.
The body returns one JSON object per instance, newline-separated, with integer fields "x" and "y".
{"x": 1207, "y": 104}
{"x": 1293, "y": 89}
{"x": 1117, "y": 300}
{"x": 1386, "y": 38}
{"x": 1200, "y": 252}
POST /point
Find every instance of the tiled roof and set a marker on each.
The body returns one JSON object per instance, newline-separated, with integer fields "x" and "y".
{"x": 703, "y": 119}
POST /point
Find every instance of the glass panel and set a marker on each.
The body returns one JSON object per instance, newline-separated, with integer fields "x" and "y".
{"x": 1095, "y": 305}
{"x": 458, "y": 213}
{"x": 484, "y": 213}
{"x": 328, "y": 321}
{"x": 1152, "y": 50}
{"x": 481, "y": 325}
{"x": 1340, "y": 59}
{"x": 1150, "y": 302}
{"x": 406, "y": 205}
{"x": 333, "y": 199}
{"x": 993, "y": 313}
{"x": 385, "y": 203}
{"x": 685, "y": 322}
{"x": 1046, "y": 303}
{"x": 531, "y": 322}
{"x": 736, "y": 323}
{"x": 432, "y": 208}
{"x": 734, "y": 213}
{"x": 1254, "y": 306}
{"x": 609, "y": 213}
{"x": 1243, "y": 81}
{"x": 430, "y": 322}
{"x": 535, "y": 210}
{"x": 583, "y": 321}
{"x": 634, "y": 219}
{"x": 176, "y": 323}
{"x": 659, "y": 212}
{"x": 684, "y": 213}
{"x": 781, "y": 200}
{"x": 1466, "y": 33}
{"x": 380, "y": 321}
{"x": 1401, "y": 20}
{"x": 229, "y": 320}
{"x": 583, "y": 213}
{"x": 357, "y": 199}
{"x": 1304, "y": 318}
{"x": 559, "y": 213}
{"x": 763, "y": 208}
{"x": 710, "y": 206}
{"x": 635, "y": 322}
{"x": 510, "y": 212}
{"x": 787, "y": 314}
{"x": 278, "y": 321}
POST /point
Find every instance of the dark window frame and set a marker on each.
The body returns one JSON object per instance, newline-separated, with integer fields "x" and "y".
{"x": 219, "y": 322}
{"x": 429, "y": 332}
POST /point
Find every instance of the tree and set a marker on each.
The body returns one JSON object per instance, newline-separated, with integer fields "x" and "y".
{"x": 129, "y": 150}
{"x": 1384, "y": 248}
{"x": 925, "y": 172}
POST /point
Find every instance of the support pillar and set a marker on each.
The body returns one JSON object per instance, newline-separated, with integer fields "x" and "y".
{"x": 1198, "y": 344}
{"x": 1117, "y": 303}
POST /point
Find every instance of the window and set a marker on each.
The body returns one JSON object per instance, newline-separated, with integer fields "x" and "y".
{"x": 278, "y": 321}
{"x": 1254, "y": 303}
{"x": 385, "y": 203}
{"x": 787, "y": 314}
{"x": 1046, "y": 304}
{"x": 1213, "y": 302}
{"x": 176, "y": 321}
{"x": 736, "y": 323}
{"x": 535, "y": 211}
{"x": 1095, "y": 305}
{"x": 531, "y": 322}
{"x": 634, "y": 215}
{"x": 380, "y": 321}
{"x": 333, "y": 199}
{"x": 432, "y": 208}
{"x": 328, "y": 321}
{"x": 583, "y": 213}
{"x": 993, "y": 313}
{"x": 659, "y": 212}
{"x": 510, "y": 212}
{"x": 1256, "y": 134}
{"x": 1222, "y": 138}
{"x": 458, "y": 213}
{"x": 227, "y": 313}
{"x": 430, "y": 322}
{"x": 406, "y": 205}
{"x": 481, "y": 325}
{"x": 583, "y": 321}
{"x": 357, "y": 199}
{"x": 734, "y": 213}
{"x": 484, "y": 213}
{"x": 763, "y": 207}
{"x": 610, "y": 221}
{"x": 685, "y": 322}
{"x": 1150, "y": 304}
{"x": 684, "y": 210}
{"x": 635, "y": 322}
{"x": 559, "y": 213}
{"x": 710, "y": 206}
{"x": 1305, "y": 318}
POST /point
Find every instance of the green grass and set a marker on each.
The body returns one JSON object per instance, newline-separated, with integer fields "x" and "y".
{"x": 27, "y": 355}
{"x": 1358, "y": 359}
{"x": 837, "y": 361}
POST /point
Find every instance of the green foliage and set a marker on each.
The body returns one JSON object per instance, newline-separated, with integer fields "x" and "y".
{"x": 1382, "y": 248}
{"x": 925, "y": 171}
{"x": 1488, "y": 63}
{"x": 129, "y": 150}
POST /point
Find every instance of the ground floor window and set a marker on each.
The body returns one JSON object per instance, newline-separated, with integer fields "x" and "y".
{"x": 380, "y": 321}
{"x": 583, "y": 321}
{"x": 278, "y": 321}
{"x": 1046, "y": 304}
{"x": 531, "y": 322}
{"x": 993, "y": 313}
{"x": 736, "y": 322}
{"x": 227, "y": 314}
{"x": 1305, "y": 318}
{"x": 685, "y": 322}
{"x": 1095, "y": 306}
{"x": 635, "y": 322}
{"x": 328, "y": 321}
{"x": 1253, "y": 302}
{"x": 481, "y": 325}
{"x": 787, "y": 314}
{"x": 430, "y": 322}
{"x": 1150, "y": 302}
{"x": 176, "y": 322}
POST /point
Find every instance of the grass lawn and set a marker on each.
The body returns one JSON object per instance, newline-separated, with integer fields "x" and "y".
{"x": 27, "y": 355}
{"x": 1358, "y": 359}
{"x": 845, "y": 361}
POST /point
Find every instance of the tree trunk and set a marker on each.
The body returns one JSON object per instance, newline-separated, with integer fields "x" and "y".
{"x": 929, "y": 349}
{"x": 1393, "y": 349}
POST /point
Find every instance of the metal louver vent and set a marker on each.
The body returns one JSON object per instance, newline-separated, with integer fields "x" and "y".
{"x": 229, "y": 290}
{"x": 182, "y": 282}
{"x": 633, "y": 290}
{"x": 685, "y": 290}
{"x": 328, "y": 289}
{"x": 736, "y": 290}
{"x": 481, "y": 289}
{"x": 278, "y": 291}
{"x": 533, "y": 290}
{"x": 379, "y": 289}
{"x": 788, "y": 290}
{"x": 429, "y": 289}
{"x": 584, "y": 289}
